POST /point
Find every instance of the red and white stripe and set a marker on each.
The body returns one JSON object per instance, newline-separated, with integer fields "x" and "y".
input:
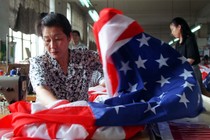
{"x": 111, "y": 32}
{"x": 66, "y": 121}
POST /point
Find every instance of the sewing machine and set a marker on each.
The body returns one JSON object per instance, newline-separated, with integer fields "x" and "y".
{"x": 14, "y": 88}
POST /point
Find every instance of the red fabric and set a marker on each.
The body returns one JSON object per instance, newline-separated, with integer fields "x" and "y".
{"x": 106, "y": 16}
{"x": 52, "y": 129}
{"x": 72, "y": 115}
{"x": 205, "y": 69}
{"x": 26, "y": 138}
{"x": 65, "y": 115}
{"x": 53, "y": 118}
{"x": 130, "y": 32}
{"x": 132, "y": 130}
{"x": 6, "y": 122}
{"x": 21, "y": 106}
{"x": 100, "y": 24}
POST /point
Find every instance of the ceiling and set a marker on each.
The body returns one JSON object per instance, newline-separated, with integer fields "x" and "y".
{"x": 155, "y": 15}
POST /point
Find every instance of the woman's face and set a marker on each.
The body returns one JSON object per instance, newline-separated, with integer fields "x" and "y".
{"x": 175, "y": 30}
{"x": 55, "y": 41}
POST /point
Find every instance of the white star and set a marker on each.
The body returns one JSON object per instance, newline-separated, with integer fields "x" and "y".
{"x": 183, "y": 59}
{"x": 163, "y": 81}
{"x": 183, "y": 99}
{"x": 162, "y": 61}
{"x": 187, "y": 84}
{"x": 161, "y": 98}
{"x": 119, "y": 95}
{"x": 148, "y": 108}
{"x": 162, "y": 42}
{"x": 143, "y": 40}
{"x": 117, "y": 108}
{"x": 143, "y": 101}
{"x": 140, "y": 62}
{"x": 145, "y": 86}
{"x": 186, "y": 74}
{"x": 125, "y": 67}
{"x": 199, "y": 98}
{"x": 162, "y": 95}
{"x": 132, "y": 88}
{"x": 153, "y": 109}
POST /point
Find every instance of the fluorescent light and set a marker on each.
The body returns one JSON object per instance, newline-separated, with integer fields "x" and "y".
{"x": 175, "y": 40}
{"x": 86, "y": 3}
{"x": 94, "y": 15}
{"x": 170, "y": 43}
{"x": 196, "y": 28}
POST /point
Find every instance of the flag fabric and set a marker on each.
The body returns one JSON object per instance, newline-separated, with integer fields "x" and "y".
{"x": 97, "y": 94}
{"x": 147, "y": 81}
{"x": 60, "y": 120}
{"x": 205, "y": 71}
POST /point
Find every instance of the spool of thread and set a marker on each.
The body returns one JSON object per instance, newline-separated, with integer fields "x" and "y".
{"x": 1, "y": 72}
{"x": 12, "y": 72}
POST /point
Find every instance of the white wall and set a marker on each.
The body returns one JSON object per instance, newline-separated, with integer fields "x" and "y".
{"x": 61, "y": 6}
{"x": 4, "y": 20}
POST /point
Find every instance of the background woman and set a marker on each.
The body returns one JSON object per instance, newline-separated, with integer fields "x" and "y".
{"x": 187, "y": 46}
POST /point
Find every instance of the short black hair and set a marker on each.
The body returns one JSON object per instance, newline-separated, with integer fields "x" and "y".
{"x": 38, "y": 23}
{"x": 77, "y": 32}
{"x": 53, "y": 19}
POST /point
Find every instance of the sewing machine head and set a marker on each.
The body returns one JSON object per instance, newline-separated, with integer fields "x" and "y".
{"x": 14, "y": 88}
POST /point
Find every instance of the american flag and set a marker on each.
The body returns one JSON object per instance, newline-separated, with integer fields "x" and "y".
{"x": 205, "y": 71}
{"x": 146, "y": 79}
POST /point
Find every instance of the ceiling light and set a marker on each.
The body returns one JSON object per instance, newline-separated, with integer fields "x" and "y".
{"x": 175, "y": 40}
{"x": 86, "y": 3}
{"x": 196, "y": 28}
{"x": 94, "y": 15}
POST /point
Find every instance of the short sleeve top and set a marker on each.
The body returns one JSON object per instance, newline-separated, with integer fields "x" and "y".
{"x": 189, "y": 49}
{"x": 45, "y": 70}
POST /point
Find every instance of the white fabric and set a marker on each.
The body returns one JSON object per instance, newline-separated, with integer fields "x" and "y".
{"x": 72, "y": 132}
{"x": 115, "y": 133}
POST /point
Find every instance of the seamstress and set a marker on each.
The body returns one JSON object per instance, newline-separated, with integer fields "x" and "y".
{"x": 187, "y": 46}
{"x": 61, "y": 73}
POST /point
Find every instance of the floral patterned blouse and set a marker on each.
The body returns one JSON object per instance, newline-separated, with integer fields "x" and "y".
{"x": 44, "y": 70}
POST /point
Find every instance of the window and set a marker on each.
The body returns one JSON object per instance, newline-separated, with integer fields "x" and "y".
{"x": 23, "y": 46}
{"x": 68, "y": 12}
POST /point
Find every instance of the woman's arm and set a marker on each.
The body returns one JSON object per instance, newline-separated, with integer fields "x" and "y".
{"x": 190, "y": 60}
{"x": 44, "y": 95}
{"x": 37, "y": 73}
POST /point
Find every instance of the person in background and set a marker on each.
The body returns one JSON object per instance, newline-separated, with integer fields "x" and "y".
{"x": 76, "y": 41}
{"x": 61, "y": 73}
{"x": 187, "y": 46}
{"x": 206, "y": 61}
